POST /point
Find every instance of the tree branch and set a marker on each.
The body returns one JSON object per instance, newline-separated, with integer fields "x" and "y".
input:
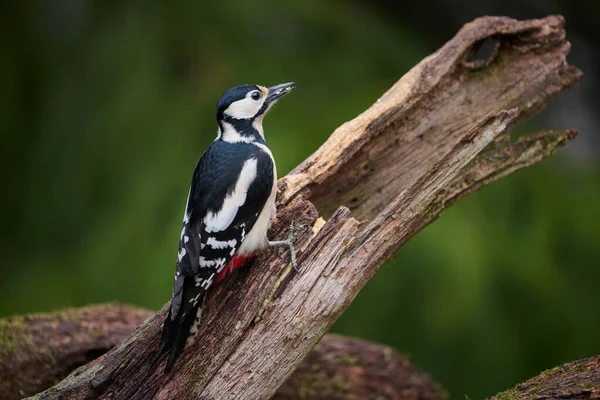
{"x": 346, "y": 368}
{"x": 422, "y": 145}
{"x": 577, "y": 380}
{"x": 39, "y": 350}
{"x": 36, "y": 350}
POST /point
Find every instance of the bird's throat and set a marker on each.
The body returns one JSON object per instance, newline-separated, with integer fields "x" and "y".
{"x": 241, "y": 130}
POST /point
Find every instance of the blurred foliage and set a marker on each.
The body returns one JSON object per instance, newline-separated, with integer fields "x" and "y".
{"x": 107, "y": 106}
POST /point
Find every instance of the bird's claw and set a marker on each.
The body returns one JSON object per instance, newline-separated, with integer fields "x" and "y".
{"x": 289, "y": 243}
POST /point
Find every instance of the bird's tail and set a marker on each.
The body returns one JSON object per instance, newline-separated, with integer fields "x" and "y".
{"x": 176, "y": 331}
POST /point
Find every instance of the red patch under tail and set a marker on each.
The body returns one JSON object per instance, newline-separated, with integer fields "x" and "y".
{"x": 236, "y": 262}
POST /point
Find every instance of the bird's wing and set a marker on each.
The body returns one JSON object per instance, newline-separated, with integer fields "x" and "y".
{"x": 213, "y": 228}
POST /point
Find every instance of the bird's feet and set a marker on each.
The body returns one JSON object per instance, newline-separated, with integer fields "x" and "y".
{"x": 289, "y": 243}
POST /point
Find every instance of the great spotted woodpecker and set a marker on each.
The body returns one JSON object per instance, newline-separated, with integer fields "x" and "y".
{"x": 229, "y": 208}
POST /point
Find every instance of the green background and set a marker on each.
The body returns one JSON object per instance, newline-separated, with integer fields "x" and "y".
{"x": 107, "y": 106}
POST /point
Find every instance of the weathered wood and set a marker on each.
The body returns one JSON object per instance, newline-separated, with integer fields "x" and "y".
{"x": 38, "y": 350}
{"x": 437, "y": 134}
{"x": 344, "y": 368}
{"x": 577, "y": 380}
{"x": 367, "y": 161}
{"x": 45, "y": 348}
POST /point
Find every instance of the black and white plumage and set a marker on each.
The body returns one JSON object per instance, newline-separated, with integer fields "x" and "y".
{"x": 229, "y": 209}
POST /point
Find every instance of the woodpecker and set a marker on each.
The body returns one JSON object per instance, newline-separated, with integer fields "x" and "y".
{"x": 229, "y": 208}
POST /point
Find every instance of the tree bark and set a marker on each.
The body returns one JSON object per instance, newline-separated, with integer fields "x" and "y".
{"x": 577, "y": 380}
{"x": 44, "y": 348}
{"x": 438, "y": 134}
{"x": 340, "y": 368}
{"x": 38, "y": 350}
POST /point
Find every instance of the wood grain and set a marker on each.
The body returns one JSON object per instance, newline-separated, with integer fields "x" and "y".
{"x": 45, "y": 348}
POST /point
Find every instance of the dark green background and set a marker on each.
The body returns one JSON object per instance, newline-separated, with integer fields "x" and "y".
{"x": 107, "y": 105}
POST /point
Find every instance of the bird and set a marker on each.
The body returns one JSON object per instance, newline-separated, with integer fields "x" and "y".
{"x": 229, "y": 208}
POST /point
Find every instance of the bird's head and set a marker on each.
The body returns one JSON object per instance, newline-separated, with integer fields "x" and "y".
{"x": 243, "y": 108}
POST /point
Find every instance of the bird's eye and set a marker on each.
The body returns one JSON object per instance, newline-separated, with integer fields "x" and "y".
{"x": 255, "y": 95}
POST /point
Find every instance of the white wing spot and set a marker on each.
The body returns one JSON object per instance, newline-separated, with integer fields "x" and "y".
{"x": 195, "y": 299}
{"x": 186, "y": 239}
{"x": 208, "y": 281}
{"x": 220, "y": 265}
{"x": 206, "y": 263}
{"x": 220, "y": 244}
{"x": 211, "y": 263}
{"x": 243, "y": 226}
{"x": 181, "y": 254}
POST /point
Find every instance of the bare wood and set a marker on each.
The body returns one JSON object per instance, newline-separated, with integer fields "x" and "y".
{"x": 416, "y": 122}
{"x": 37, "y": 350}
{"x": 395, "y": 167}
{"x": 506, "y": 158}
{"x": 45, "y": 348}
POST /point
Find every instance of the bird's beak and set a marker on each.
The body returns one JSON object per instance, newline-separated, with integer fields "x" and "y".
{"x": 278, "y": 91}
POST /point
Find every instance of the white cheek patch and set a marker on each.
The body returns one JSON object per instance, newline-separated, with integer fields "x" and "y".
{"x": 245, "y": 108}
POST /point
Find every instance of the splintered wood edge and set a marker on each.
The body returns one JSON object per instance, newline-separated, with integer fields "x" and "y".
{"x": 504, "y": 160}
{"x": 393, "y": 226}
{"x": 335, "y": 157}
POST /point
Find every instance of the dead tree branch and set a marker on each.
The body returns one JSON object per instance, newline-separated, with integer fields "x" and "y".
{"x": 347, "y": 368}
{"x": 439, "y": 133}
{"x": 41, "y": 349}
{"x": 38, "y": 350}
